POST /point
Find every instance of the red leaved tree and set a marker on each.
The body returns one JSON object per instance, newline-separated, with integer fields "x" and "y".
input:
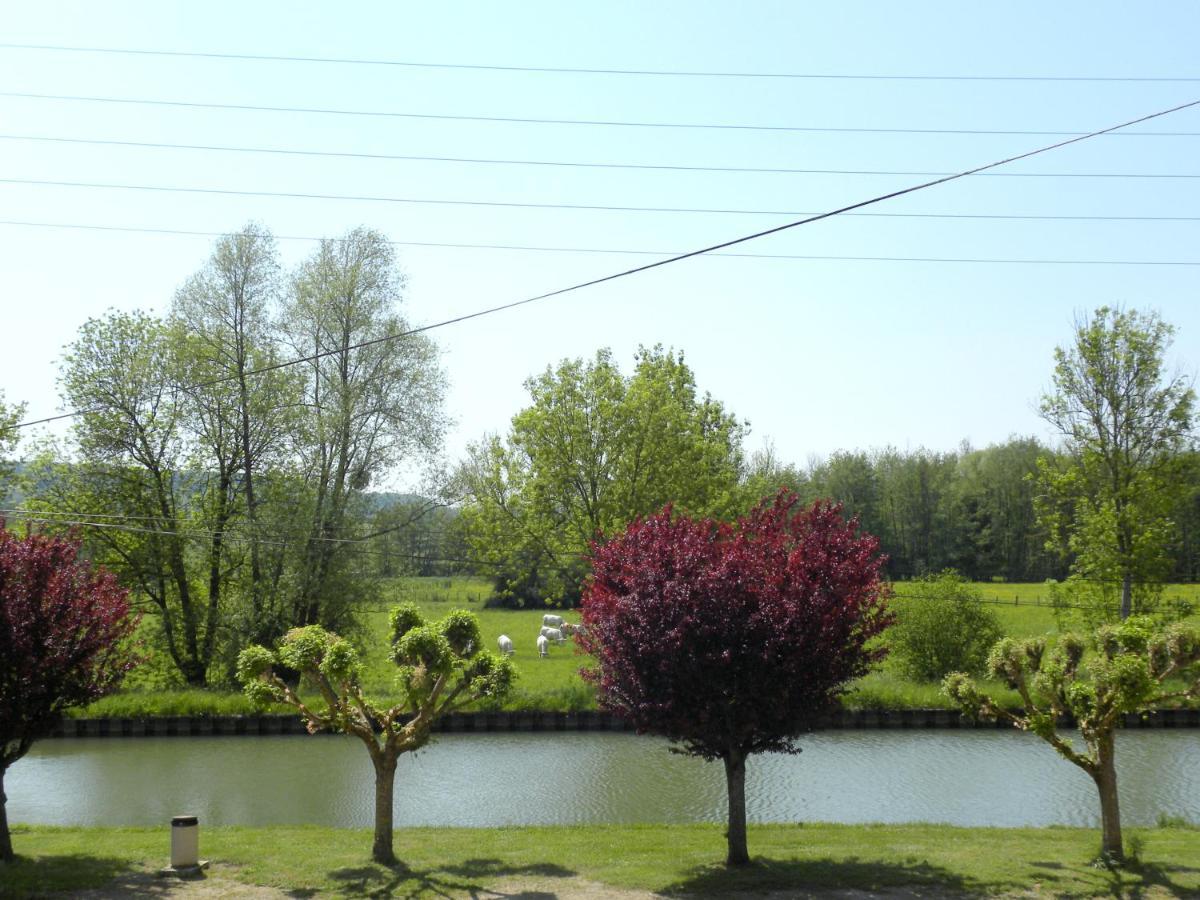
{"x": 63, "y": 631}
{"x": 733, "y": 639}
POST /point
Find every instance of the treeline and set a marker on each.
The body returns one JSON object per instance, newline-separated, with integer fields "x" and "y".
{"x": 970, "y": 509}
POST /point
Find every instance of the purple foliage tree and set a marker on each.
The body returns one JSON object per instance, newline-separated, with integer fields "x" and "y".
{"x": 733, "y": 639}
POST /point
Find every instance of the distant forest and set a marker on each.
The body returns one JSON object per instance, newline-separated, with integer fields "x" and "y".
{"x": 970, "y": 510}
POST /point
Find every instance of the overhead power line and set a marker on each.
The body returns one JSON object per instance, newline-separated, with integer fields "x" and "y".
{"x": 616, "y": 251}
{"x": 746, "y": 238}
{"x": 554, "y": 163}
{"x": 561, "y": 70}
{"x": 599, "y": 123}
{"x": 437, "y": 201}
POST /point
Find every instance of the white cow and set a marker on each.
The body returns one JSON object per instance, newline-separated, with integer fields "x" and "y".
{"x": 543, "y": 645}
{"x": 506, "y": 647}
{"x": 552, "y": 634}
{"x": 552, "y": 621}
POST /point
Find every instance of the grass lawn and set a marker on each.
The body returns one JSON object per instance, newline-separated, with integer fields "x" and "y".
{"x": 553, "y": 683}
{"x": 676, "y": 860}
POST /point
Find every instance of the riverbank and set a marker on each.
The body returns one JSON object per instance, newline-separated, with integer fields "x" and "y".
{"x": 256, "y": 724}
{"x": 613, "y": 862}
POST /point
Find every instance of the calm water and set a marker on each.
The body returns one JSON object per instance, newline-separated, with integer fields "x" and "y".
{"x": 966, "y": 778}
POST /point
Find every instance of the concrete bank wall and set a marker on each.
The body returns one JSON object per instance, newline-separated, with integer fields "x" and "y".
{"x": 458, "y": 723}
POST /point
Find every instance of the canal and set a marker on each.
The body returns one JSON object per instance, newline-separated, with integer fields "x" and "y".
{"x": 958, "y": 777}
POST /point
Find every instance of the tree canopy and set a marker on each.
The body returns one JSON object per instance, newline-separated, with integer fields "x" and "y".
{"x": 1124, "y": 422}
{"x": 594, "y": 450}
{"x": 63, "y": 642}
{"x": 733, "y": 639}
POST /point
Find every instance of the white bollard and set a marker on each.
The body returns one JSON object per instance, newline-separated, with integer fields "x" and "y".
{"x": 185, "y": 842}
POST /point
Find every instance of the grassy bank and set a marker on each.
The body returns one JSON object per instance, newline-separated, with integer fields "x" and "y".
{"x": 553, "y": 684}
{"x": 679, "y": 860}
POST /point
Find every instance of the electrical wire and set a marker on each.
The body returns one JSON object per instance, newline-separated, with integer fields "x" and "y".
{"x": 601, "y": 123}
{"x": 778, "y": 229}
{"x": 661, "y": 253}
{"x": 468, "y": 160}
{"x": 559, "y": 70}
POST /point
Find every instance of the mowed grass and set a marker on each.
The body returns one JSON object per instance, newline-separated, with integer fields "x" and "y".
{"x": 553, "y": 684}
{"x": 680, "y": 860}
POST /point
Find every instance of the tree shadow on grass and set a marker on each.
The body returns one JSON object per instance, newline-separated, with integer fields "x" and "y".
{"x": 812, "y": 877}
{"x": 28, "y": 876}
{"x": 463, "y": 879}
{"x": 1135, "y": 880}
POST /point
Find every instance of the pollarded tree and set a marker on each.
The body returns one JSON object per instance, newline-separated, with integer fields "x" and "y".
{"x": 63, "y": 631}
{"x": 731, "y": 640}
{"x": 1130, "y": 668}
{"x": 441, "y": 669}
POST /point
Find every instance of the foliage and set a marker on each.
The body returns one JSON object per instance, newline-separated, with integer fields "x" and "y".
{"x": 942, "y": 626}
{"x": 63, "y": 631}
{"x": 970, "y": 509}
{"x": 1107, "y": 499}
{"x": 593, "y": 451}
{"x": 372, "y": 399}
{"x": 226, "y": 493}
{"x": 731, "y": 640}
{"x": 440, "y": 668}
{"x": 1131, "y": 668}
{"x": 10, "y": 415}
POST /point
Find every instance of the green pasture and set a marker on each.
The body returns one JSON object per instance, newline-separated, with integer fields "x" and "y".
{"x": 553, "y": 684}
{"x": 615, "y": 861}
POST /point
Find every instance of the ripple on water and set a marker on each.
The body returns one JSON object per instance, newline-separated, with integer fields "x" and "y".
{"x": 960, "y": 777}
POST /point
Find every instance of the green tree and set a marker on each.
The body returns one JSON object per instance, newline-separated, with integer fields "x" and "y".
{"x": 441, "y": 669}
{"x": 1107, "y": 497}
{"x": 122, "y": 372}
{"x": 593, "y": 451}
{"x": 372, "y": 396}
{"x": 241, "y": 423}
{"x": 10, "y": 415}
{"x": 1131, "y": 668}
{"x": 995, "y": 489}
{"x": 941, "y": 626}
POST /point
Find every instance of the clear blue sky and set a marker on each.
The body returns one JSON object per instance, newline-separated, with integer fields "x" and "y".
{"x": 818, "y": 355}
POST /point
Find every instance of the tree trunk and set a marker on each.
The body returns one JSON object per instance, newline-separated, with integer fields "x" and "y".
{"x": 385, "y": 780}
{"x": 6, "y": 848}
{"x": 1110, "y": 810}
{"x": 1126, "y": 596}
{"x": 735, "y": 780}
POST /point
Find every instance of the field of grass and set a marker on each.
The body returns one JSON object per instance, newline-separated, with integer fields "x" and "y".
{"x": 604, "y": 861}
{"x": 553, "y": 684}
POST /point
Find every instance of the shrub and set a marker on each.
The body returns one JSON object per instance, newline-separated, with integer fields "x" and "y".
{"x": 942, "y": 626}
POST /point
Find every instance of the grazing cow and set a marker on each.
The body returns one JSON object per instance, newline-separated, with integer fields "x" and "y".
{"x": 505, "y": 642}
{"x": 552, "y": 634}
{"x": 552, "y": 621}
{"x": 543, "y": 645}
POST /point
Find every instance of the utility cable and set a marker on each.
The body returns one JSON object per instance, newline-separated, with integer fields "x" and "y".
{"x": 559, "y": 70}
{"x": 616, "y": 251}
{"x": 568, "y": 164}
{"x": 778, "y": 229}
{"x": 599, "y": 123}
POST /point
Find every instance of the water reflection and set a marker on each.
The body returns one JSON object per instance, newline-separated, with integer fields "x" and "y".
{"x": 965, "y": 778}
